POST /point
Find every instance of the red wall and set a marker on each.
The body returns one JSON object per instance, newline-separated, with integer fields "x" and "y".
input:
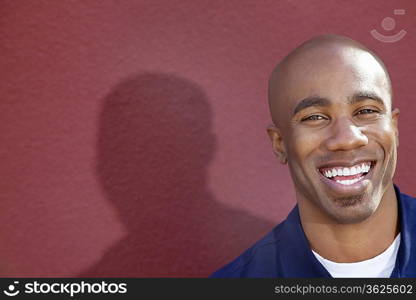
{"x": 132, "y": 136}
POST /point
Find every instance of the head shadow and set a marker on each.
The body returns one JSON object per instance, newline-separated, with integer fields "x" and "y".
{"x": 154, "y": 145}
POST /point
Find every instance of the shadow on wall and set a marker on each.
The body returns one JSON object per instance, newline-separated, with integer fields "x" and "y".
{"x": 154, "y": 146}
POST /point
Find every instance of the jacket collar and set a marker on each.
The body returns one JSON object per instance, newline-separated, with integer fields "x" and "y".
{"x": 296, "y": 257}
{"x": 405, "y": 262}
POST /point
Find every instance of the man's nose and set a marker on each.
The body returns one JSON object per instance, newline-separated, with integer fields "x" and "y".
{"x": 345, "y": 135}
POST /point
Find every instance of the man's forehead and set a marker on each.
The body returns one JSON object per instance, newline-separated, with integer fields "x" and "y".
{"x": 329, "y": 58}
{"x": 335, "y": 77}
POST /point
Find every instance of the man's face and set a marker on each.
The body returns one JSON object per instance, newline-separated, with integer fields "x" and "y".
{"x": 338, "y": 132}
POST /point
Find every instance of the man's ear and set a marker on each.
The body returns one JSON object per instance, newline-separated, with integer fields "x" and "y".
{"x": 277, "y": 143}
{"x": 395, "y": 121}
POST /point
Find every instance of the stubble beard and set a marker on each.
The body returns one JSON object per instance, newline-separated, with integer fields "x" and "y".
{"x": 350, "y": 200}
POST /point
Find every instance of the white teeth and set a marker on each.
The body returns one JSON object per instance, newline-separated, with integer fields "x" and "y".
{"x": 344, "y": 171}
{"x": 348, "y": 182}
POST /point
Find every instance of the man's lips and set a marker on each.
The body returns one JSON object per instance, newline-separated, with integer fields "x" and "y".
{"x": 347, "y": 174}
{"x": 347, "y": 177}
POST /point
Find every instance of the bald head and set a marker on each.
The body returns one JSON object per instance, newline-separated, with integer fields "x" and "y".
{"x": 318, "y": 60}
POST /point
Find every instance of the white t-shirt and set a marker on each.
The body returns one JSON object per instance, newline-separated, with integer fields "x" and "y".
{"x": 380, "y": 266}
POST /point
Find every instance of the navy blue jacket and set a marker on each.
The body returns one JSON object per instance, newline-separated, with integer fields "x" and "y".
{"x": 285, "y": 252}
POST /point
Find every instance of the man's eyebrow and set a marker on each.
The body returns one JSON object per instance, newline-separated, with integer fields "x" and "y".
{"x": 320, "y": 101}
{"x": 311, "y": 101}
{"x": 361, "y": 96}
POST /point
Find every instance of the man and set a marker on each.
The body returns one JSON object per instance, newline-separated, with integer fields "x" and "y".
{"x": 333, "y": 124}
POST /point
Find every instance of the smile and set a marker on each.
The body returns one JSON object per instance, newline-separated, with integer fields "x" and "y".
{"x": 347, "y": 175}
{"x": 347, "y": 178}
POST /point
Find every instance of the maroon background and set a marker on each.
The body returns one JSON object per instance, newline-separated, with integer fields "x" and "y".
{"x": 132, "y": 136}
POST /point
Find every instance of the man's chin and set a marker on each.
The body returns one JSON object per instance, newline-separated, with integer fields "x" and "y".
{"x": 352, "y": 209}
{"x": 349, "y": 201}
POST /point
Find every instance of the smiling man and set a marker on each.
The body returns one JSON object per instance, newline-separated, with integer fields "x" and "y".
{"x": 334, "y": 125}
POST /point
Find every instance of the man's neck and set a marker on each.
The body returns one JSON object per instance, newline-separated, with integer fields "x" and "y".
{"x": 353, "y": 242}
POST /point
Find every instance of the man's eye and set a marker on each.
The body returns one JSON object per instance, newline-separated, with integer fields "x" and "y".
{"x": 366, "y": 111}
{"x": 314, "y": 118}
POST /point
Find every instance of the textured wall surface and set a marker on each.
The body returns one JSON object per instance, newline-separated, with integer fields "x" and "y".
{"x": 133, "y": 133}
